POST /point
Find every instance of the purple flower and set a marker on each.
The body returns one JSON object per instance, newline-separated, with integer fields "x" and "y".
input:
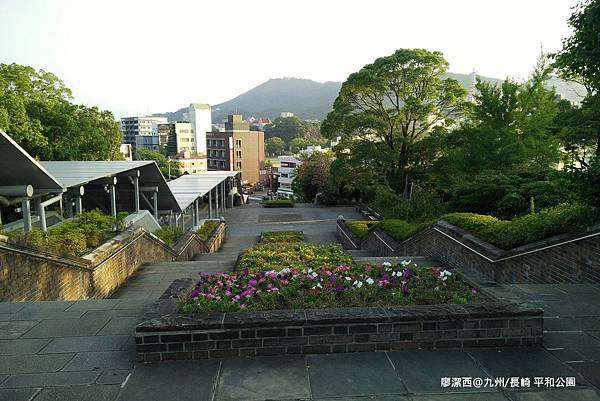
{"x": 473, "y": 291}
{"x": 407, "y": 273}
{"x": 195, "y": 293}
{"x": 245, "y": 272}
{"x": 339, "y": 288}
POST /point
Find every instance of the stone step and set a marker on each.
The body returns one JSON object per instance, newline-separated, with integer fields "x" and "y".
{"x": 358, "y": 253}
{"x": 418, "y": 260}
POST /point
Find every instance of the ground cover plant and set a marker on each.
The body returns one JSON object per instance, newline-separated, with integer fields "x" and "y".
{"x": 74, "y": 237}
{"x": 207, "y": 229}
{"x": 281, "y": 237}
{"x": 361, "y": 228}
{"x": 279, "y": 203}
{"x": 169, "y": 234}
{"x": 327, "y": 287}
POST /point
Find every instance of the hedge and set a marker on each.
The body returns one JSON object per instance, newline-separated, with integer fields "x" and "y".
{"x": 401, "y": 230}
{"x": 73, "y": 237}
{"x": 207, "y": 229}
{"x": 169, "y": 234}
{"x": 361, "y": 228}
{"x": 279, "y": 203}
{"x": 508, "y": 234}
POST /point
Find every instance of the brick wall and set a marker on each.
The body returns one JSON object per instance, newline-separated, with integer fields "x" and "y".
{"x": 319, "y": 331}
{"x": 29, "y": 275}
{"x": 568, "y": 258}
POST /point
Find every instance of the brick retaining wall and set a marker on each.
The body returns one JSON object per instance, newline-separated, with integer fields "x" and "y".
{"x": 30, "y": 275}
{"x": 568, "y": 258}
{"x": 318, "y": 331}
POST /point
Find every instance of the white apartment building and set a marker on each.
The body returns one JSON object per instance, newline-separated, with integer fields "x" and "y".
{"x": 286, "y": 174}
{"x": 146, "y": 127}
{"x": 286, "y": 114}
{"x": 199, "y": 115}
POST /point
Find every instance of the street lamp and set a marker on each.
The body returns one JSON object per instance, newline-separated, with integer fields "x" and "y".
{"x": 169, "y": 167}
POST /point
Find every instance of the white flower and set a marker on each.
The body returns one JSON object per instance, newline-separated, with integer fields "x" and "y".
{"x": 386, "y": 264}
{"x": 319, "y": 285}
{"x": 405, "y": 263}
{"x": 360, "y": 284}
{"x": 313, "y": 275}
{"x": 370, "y": 281}
{"x": 348, "y": 278}
{"x": 285, "y": 271}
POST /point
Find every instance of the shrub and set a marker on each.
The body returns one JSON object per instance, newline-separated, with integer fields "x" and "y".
{"x": 169, "y": 234}
{"x": 298, "y": 255}
{"x": 401, "y": 230}
{"x": 281, "y": 237}
{"x": 207, "y": 229}
{"x": 508, "y": 234}
{"x": 361, "y": 228}
{"x": 279, "y": 203}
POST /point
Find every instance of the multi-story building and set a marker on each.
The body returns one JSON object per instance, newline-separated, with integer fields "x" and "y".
{"x": 190, "y": 163}
{"x": 237, "y": 148}
{"x": 286, "y": 173}
{"x": 199, "y": 115}
{"x": 286, "y": 114}
{"x": 177, "y": 137}
{"x": 140, "y": 126}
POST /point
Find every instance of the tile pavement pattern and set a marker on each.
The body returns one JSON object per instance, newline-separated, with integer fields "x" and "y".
{"x": 74, "y": 351}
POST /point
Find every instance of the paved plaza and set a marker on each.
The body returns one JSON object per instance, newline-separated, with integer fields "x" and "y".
{"x": 84, "y": 350}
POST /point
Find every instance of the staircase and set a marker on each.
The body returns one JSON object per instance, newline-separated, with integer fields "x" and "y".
{"x": 364, "y": 256}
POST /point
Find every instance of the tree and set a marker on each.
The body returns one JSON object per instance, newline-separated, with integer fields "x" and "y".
{"x": 36, "y": 110}
{"x": 392, "y": 103}
{"x": 274, "y": 146}
{"x": 161, "y": 160}
{"x": 297, "y": 144}
{"x": 579, "y": 59}
{"x": 286, "y": 128}
{"x": 313, "y": 177}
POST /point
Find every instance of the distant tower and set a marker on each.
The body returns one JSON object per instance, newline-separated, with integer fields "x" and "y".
{"x": 471, "y": 88}
{"x": 199, "y": 115}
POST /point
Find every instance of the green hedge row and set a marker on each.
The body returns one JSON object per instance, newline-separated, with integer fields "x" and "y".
{"x": 74, "y": 237}
{"x": 279, "y": 203}
{"x": 207, "y": 229}
{"x": 361, "y": 228}
{"x": 508, "y": 234}
{"x": 169, "y": 234}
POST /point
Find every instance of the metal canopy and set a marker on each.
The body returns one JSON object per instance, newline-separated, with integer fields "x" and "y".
{"x": 76, "y": 173}
{"x": 188, "y": 188}
{"x": 17, "y": 167}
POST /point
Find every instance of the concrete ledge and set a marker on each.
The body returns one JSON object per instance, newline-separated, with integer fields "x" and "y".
{"x": 176, "y": 336}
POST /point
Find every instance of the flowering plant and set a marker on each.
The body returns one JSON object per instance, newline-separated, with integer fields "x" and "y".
{"x": 327, "y": 287}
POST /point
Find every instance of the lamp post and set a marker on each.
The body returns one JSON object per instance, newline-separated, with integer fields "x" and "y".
{"x": 169, "y": 167}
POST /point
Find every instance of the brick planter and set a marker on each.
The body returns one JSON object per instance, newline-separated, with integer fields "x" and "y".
{"x": 168, "y": 335}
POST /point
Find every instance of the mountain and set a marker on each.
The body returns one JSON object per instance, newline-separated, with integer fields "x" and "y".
{"x": 309, "y": 99}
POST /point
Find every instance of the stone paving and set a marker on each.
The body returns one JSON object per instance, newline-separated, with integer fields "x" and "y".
{"x": 84, "y": 351}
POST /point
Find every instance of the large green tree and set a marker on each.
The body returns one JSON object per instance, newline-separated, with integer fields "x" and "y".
{"x": 36, "y": 110}
{"x": 274, "y": 146}
{"x": 386, "y": 107}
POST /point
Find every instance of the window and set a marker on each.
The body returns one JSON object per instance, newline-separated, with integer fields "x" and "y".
{"x": 238, "y": 153}
{"x": 238, "y": 143}
{"x": 238, "y": 165}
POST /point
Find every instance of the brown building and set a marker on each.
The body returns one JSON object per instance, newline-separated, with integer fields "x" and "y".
{"x": 237, "y": 149}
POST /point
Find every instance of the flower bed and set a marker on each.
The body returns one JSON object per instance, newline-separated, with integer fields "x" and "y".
{"x": 279, "y": 203}
{"x": 270, "y": 237}
{"x": 299, "y": 255}
{"x": 340, "y": 286}
{"x": 207, "y": 229}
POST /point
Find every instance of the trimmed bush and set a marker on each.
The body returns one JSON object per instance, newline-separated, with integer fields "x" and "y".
{"x": 401, "y": 230}
{"x": 169, "y": 234}
{"x": 361, "y": 228}
{"x": 279, "y": 203}
{"x": 207, "y": 229}
{"x": 508, "y": 234}
{"x": 279, "y": 237}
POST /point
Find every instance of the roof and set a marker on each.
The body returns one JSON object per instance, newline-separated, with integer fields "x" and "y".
{"x": 200, "y": 106}
{"x": 76, "y": 173}
{"x": 188, "y": 188}
{"x": 17, "y": 167}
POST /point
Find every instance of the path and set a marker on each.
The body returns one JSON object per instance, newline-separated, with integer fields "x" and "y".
{"x": 84, "y": 351}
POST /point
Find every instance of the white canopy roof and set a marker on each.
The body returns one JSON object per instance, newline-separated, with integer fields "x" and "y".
{"x": 188, "y": 188}
{"x": 74, "y": 173}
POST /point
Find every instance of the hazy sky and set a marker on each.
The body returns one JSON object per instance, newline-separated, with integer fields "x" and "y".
{"x": 136, "y": 57}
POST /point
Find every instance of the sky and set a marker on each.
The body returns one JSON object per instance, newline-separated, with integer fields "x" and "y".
{"x": 140, "y": 57}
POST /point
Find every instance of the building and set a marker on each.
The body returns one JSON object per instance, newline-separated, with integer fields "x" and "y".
{"x": 140, "y": 126}
{"x": 237, "y": 148}
{"x": 286, "y": 114}
{"x": 177, "y": 137}
{"x": 190, "y": 163}
{"x": 199, "y": 115}
{"x": 286, "y": 174}
{"x": 126, "y": 151}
